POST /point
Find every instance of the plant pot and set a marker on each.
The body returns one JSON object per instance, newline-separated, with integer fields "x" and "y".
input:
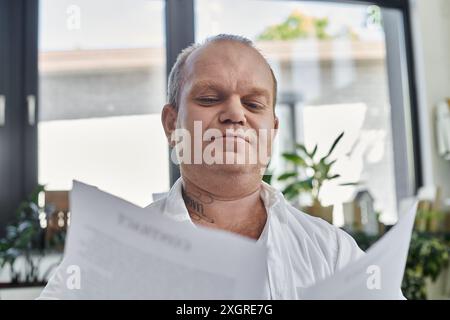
{"x": 381, "y": 228}
{"x": 21, "y": 291}
{"x": 438, "y": 290}
{"x": 317, "y": 210}
{"x": 421, "y": 224}
{"x": 433, "y": 225}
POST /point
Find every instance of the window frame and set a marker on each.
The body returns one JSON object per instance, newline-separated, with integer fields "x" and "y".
{"x": 19, "y": 78}
{"x": 413, "y": 178}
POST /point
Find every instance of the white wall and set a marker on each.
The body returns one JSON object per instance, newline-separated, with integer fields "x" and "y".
{"x": 431, "y": 36}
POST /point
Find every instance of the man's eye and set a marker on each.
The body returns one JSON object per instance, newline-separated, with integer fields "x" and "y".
{"x": 207, "y": 100}
{"x": 253, "y": 105}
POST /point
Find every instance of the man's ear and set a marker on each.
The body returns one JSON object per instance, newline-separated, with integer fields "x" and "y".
{"x": 275, "y": 126}
{"x": 169, "y": 121}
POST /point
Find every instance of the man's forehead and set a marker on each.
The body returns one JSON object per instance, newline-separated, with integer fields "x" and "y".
{"x": 222, "y": 49}
{"x": 212, "y": 63}
{"x": 198, "y": 85}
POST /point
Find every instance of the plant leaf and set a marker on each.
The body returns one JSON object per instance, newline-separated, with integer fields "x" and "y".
{"x": 290, "y": 191}
{"x": 330, "y": 164}
{"x": 287, "y": 175}
{"x": 267, "y": 178}
{"x": 306, "y": 184}
{"x": 295, "y": 158}
{"x": 313, "y": 153}
{"x": 336, "y": 141}
{"x": 349, "y": 184}
{"x": 302, "y": 148}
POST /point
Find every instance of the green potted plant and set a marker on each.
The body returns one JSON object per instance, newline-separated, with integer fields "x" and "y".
{"x": 25, "y": 240}
{"x": 429, "y": 220}
{"x": 428, "y": 257}
{"x": 309, "y": 174}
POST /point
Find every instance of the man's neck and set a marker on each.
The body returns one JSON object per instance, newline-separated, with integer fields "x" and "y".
{"x": 231, "y": 206}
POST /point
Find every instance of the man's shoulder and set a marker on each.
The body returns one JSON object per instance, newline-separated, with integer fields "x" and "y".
{"x": 310, "y": 224}
{"x": 329, "y": 238}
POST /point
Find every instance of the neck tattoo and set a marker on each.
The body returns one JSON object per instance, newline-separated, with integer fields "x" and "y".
{"x": 197, "y": 207}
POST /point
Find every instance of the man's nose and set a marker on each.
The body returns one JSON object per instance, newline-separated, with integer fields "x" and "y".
{"x": 233, "y": 112}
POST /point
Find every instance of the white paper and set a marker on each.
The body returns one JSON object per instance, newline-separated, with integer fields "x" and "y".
{"x": 123, "y": 252}
{"x": 376, "y": 275}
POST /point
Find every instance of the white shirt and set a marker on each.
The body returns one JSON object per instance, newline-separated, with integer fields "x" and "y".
{"x": 302, "y": 249}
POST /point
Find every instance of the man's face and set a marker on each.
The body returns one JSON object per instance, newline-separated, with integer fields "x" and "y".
{"x": 228, "y": 86}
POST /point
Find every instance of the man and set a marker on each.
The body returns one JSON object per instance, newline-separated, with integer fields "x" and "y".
{"x": 220, "y": 119}
{"x": 226, "y": 85}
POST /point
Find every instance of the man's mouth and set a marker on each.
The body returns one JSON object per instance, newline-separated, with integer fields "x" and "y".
{"x": 232, "y": 135}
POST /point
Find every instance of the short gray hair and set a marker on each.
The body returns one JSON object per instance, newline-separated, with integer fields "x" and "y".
{"x": 176, "y": 76}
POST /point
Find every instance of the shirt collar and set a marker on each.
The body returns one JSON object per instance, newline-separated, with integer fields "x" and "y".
{"x": 175, "y": 207}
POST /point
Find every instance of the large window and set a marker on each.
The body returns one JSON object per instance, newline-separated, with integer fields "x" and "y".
{"x": 83, "y": 83}
{"x": 330, "y": 60}
{"x": 102, "y": 75}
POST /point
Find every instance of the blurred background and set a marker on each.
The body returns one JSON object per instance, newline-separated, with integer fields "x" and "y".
{"x": 363, "y": 102}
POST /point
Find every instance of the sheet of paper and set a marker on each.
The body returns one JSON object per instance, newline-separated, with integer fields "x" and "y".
{"x": 376, "y": 275}
{"x": 120, "y": 251}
